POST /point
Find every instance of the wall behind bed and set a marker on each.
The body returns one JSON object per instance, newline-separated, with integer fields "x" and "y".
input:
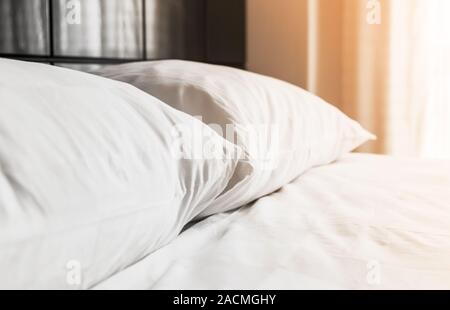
{"x": 87, "y": 33}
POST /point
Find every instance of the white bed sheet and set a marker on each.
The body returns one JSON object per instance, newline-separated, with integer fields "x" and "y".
{"x": 364, "y": 222}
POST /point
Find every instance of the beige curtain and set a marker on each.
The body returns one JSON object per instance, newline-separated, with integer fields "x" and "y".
{"x": 386, "y": 63}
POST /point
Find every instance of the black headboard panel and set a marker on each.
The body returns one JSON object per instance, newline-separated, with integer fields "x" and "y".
{"x": 93, "y": 32}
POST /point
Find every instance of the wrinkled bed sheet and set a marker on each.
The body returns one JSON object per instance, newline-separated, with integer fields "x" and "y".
{"x": 364, "y": 222}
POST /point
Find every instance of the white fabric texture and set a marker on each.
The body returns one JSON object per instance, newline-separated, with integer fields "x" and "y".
{"x": 89, "y": 178}
{"x": 364, "y": 222}
{"x": 283, "y": 129}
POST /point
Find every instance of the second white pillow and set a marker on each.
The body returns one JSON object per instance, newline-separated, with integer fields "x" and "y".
{"x": 283, "y": 129}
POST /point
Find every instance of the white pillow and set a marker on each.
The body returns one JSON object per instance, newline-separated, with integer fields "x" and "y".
{"x": 297, "y": 130}
{"x": 91, "y": 175}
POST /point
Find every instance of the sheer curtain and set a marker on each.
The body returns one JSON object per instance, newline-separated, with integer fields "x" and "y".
{"x": 420, "y": 78}
{"x": 390, "y": 66}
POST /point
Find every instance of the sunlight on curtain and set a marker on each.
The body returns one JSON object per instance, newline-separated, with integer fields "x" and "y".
{"x": 420, "y": 79}
{"x": 393, "y": 76}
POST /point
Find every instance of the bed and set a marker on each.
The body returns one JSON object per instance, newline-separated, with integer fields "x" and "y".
{"x": 364, "y": 222}
{"x": 318, "y": 217}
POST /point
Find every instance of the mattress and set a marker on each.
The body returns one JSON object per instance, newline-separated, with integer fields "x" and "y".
{"x": 364, "y": 222}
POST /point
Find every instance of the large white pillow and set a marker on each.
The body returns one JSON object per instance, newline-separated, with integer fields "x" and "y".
{"x": 94, "y": 175}
{"x": 284, "y": 129}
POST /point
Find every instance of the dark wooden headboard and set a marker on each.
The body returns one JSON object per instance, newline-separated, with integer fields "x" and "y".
{"x": 86, "y": 33}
